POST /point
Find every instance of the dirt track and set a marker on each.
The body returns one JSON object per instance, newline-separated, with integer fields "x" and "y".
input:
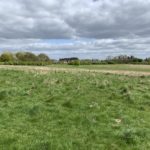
{"x": 57, "y": 69}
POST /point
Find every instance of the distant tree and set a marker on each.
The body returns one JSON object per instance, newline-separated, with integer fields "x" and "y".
{"x": 20, "y": 56}
{"x": 74, "y": 62}
{"x": 26, "y": 56}
{"x": 109, "y": 58}
{"x": 147, "y": 59}
{"x": 6, "y": 57}
{"x": 124, "y": 59}
{"x": 30, "y": 56}
{"x": 43, "y": 57}
{"x": 68, "y": 60}
{"x": 86, "y": 62}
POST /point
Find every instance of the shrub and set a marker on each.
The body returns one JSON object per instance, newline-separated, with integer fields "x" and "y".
{"x": 86, "y": 62}
{"x": 75, "y": 62}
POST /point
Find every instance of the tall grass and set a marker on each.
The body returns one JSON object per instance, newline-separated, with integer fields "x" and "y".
{"x": 69, "y": 111}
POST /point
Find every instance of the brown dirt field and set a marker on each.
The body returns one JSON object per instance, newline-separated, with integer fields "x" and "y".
{"x": 44, "y": 69}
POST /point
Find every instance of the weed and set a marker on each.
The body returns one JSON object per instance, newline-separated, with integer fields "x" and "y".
{"x": 68, "y": 104}
{"x": 3, "y": 94}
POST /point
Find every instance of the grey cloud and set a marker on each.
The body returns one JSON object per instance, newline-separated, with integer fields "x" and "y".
{"x": 112, "y": 27}
{"x": 74, "y": 18}
{"x": 98, "y": 48}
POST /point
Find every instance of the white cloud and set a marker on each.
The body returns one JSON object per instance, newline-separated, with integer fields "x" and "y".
{"x": 119, "y": 26}
{"x": 98, "y": 48}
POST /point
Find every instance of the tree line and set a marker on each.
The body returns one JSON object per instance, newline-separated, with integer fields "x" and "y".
{"x": 24, "y": 58}
{"x": 121, "y": 59}
{"x": 29, "y": 58}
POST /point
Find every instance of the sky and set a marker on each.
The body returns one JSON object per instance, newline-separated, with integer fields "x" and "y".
{"x": 76, "y": 28}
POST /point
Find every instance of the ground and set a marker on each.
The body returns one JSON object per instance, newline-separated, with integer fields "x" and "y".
{"x": 131, "y": 70}
{"x": 73, "y": 108}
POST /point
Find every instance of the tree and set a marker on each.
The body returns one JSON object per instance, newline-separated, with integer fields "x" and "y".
{"x": 20, "y": 56}
{"x": 7, "y": 57}
{"x": 26, "y": 56}
{"x": 43, "y": 57}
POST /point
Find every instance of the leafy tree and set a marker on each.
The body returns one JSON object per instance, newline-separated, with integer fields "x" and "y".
{"x": 43, "y": 57}
{"x": 6, "y": 57}
{"x": 26, "y": 56}
{"x": 20, "y": 56}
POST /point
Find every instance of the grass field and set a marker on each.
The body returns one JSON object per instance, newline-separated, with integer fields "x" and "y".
{"x": 74, "y": 111}
{"x": 127, "y": 67}
{"x": 131, "y": 70}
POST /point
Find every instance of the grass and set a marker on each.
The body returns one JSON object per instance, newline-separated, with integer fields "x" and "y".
{"x": 119, "y": 67}
{"x": 73, "y": 111}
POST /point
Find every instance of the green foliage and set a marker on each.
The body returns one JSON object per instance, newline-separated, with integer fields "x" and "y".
{"x": 43, "y": 57}
{"x": 85, "y": 111}
{"x": 129, "y": 136}
{"x": 86, "y": 62}
{"x": 20, "y": 56}
{"x": 24, "y": 58}
{"x": 74, "y": 62}
{"x": 3, "y": 94}
{"x": 27, "y": 63}
{"x": 7, "y": 57}
{"x": 29, "y": 58}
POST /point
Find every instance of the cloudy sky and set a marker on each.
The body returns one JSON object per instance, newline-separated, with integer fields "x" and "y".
{"x": 82, "y": 28}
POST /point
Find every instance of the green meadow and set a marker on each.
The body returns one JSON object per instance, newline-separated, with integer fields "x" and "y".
{"x": 73, "y": 111}
{"x": 113, "y": 67}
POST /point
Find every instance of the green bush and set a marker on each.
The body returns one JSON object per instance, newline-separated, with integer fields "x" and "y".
{"x": 74, "y": 62}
